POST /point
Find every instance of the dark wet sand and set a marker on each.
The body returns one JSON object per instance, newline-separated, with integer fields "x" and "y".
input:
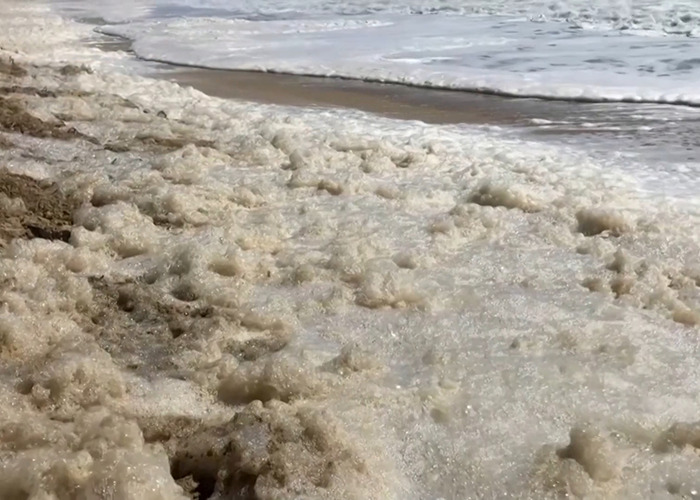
{"x": 391, "y": 100}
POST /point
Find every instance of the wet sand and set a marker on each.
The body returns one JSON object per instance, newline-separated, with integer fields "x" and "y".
{"x": 391, "y": 100}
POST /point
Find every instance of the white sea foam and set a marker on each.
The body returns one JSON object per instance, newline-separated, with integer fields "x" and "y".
{"x": 678, "y": 16}
{"x": 328, "y": 304}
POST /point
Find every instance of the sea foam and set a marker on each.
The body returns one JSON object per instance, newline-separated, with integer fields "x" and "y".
{"x": 211, "y": 298}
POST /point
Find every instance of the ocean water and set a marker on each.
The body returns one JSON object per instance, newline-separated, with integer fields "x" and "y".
{"x": 268, "y": 302}
{"x": 641, "y": 51}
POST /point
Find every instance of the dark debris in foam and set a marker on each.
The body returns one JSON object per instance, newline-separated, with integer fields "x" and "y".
{"x": 16, "y": 119}
{"x": 33, "y": 209}
{"x": 11, "y": 68}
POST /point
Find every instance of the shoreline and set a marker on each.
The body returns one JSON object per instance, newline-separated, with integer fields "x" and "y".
{"x": 631, "y": 129}
{"x": 392, "y": 100}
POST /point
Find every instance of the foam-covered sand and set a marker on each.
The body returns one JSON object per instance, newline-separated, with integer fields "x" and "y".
{"x": 209, "y": 299}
